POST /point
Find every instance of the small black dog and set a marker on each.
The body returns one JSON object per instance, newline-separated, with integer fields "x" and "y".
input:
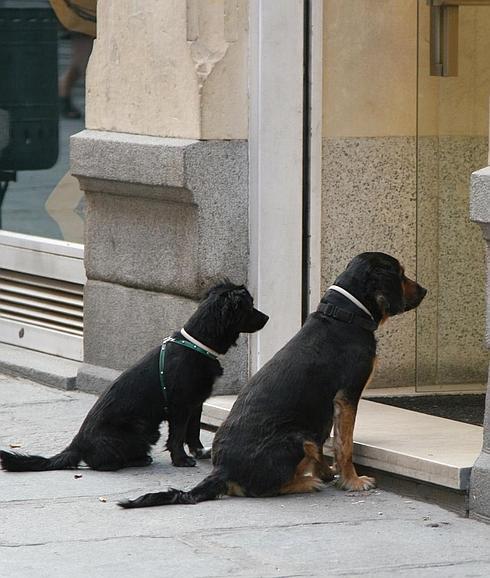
{"x": 124, "y": 422}
{"x": 271, "y": 442}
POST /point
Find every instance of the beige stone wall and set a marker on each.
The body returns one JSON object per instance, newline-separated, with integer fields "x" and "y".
{"x": 370, "y": 68}
{"x": 174, "y": 68}
{"x": 396, "y": 167}
{"x": 370, "y": 81}
{"x": 457, "y": 106}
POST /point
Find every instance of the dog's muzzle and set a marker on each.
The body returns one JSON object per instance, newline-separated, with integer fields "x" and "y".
{"x": 416, "y": 297}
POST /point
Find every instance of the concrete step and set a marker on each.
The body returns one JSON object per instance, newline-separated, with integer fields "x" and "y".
{"x": 40, "y": 367}
{"x": 405, "y": 443}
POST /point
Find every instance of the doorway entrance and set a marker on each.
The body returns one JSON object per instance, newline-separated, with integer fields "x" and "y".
{"x": 453, "y": 89}
{"x": 399, "y": 146}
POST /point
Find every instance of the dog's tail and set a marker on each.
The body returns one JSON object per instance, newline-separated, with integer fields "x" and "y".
{"x": 68, "y": 459}
{"x": 212, "y": 487}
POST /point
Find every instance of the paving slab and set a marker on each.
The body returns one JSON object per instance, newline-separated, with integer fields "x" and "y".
{"x": 53, "y": 524}
{"x": 415, "y": 445}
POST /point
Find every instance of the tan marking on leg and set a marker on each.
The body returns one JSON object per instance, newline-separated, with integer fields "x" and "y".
{"x": 305, "y": 485}
{"x": 344, "y": 418}
{"x": 312, "y": 451}
{"x": 371, "y": 375}
{"x": 235, "y": 489}
{"x": 307, "y": 475}
{"x": 326, "y": 471}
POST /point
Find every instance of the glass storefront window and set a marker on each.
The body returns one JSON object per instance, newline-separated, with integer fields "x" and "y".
{"x": 41, "y": 105}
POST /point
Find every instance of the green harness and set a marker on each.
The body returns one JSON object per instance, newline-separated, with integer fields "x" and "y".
{"x": 161, "y": 362}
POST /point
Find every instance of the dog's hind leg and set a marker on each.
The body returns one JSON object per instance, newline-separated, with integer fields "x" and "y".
{"x": 192, "y": 437}
{"x": 307, "y": 476}
{"x": 115, "y": 451}
{"x": 326, "y": 471}
{"x": 139, "y": 463}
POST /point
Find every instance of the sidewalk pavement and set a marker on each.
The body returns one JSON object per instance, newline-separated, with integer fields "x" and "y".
{"x": 66, "y": 523}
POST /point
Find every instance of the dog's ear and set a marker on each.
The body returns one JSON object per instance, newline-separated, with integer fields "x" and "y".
{"x": 383, "y": 304}
{"x": 236, "y": 300}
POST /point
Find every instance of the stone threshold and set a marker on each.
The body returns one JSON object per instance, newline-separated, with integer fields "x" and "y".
{"x": 416, "y": 446}
{"x": 40, "y": 367}
{"x": 412, "y": 445}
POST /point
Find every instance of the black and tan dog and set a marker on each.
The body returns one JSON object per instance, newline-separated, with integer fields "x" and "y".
{"x": 124, "y": 423}
{"x": 271, "y": 443}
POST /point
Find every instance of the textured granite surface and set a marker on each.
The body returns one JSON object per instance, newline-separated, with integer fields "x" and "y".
{"x": 411, "y": 199}
{"x": 369, "y": 204}
{"x": 461, "y": 355}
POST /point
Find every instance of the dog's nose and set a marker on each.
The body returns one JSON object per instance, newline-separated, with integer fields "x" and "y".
{"x": 264, "y": 320}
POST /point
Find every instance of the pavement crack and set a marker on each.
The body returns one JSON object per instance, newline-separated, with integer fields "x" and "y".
{"x": 81, "y": 541}
{"x": 375, "y": 571}
{"x": 35, "y": 403}
{"x": 224, "y": 529}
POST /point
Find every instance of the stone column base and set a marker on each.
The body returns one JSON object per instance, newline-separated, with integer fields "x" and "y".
{"x": 165, "y": 219}
{"x": 479, "y": 501}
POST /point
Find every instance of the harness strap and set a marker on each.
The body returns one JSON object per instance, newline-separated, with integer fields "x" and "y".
{"x": 161, "y": 361}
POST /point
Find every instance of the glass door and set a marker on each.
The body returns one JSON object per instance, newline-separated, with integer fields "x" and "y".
{"x": 453, "y": 90}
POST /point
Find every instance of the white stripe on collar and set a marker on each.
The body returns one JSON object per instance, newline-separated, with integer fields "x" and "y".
{"x": 351, "y": 298}
{"x": 198, "y": 343}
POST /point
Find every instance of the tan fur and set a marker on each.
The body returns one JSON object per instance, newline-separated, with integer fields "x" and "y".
{"x": 344, "y": 420}
{"x": 303, "y": 485}
{"x": 235, "y": 489}
{"x": 326, "y": 471}
{"x": 307, "y": 475}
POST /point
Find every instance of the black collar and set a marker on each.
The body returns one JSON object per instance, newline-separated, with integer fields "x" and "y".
{"x": 328, "y": 309}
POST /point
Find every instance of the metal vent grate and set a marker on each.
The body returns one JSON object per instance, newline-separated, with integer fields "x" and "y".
{"x": 41, "y": 302}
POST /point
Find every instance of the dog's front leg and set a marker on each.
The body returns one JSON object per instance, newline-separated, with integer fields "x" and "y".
{"x": 192, "y": 438}
{"x": 344, "y": 418}
{"x": 177, "y": 428}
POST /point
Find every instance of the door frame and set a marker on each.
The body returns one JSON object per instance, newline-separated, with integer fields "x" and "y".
{"x": 277, "y": 137}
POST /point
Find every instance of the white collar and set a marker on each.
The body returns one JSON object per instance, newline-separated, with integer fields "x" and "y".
{"x": 198, "y": 343}
{"x": 351, "y": 298}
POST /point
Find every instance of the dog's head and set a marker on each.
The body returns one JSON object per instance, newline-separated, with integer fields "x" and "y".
{"x": 226, "y": 311}
{"x": 379, "y": 282}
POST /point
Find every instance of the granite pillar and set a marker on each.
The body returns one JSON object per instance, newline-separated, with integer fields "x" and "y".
{"x": 165, "y": 219}
{"x": 479, "y": 501}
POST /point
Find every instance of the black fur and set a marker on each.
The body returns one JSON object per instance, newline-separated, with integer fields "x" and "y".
{"x": 290, "y": 401}
{"x": 124, "y": 423}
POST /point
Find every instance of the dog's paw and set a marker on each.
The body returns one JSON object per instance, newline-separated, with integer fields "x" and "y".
{"x": 359, "y": 484}
{"x": 141, "y": 463}
{"x": 327, "y": 474}
{"x": 201, "y": 453}
{"x": 186, "y": 462}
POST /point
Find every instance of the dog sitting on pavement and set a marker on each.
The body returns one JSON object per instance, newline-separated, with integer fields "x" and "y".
{"x": 170, "y": 383}
{"x": 272, "y": 441}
